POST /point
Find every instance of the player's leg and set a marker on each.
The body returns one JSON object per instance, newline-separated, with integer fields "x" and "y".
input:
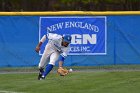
{"x": 45, "y": 57}
{"x": 41, "y": 67}
{"x": 53, "y": 58}
{"x": 44, "y": 60}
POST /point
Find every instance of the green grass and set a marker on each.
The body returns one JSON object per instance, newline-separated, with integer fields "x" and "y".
{"x": 76, "y": 82}
{"x": 106, "y": 67}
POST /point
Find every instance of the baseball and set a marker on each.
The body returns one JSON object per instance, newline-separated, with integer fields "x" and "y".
{"x": 70, "y": 70}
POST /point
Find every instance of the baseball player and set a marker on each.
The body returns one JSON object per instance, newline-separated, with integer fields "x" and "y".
{"x": 56, "y": 49}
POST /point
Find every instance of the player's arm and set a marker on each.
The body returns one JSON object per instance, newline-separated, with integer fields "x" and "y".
{"x": 61, "y": 61}
{"x": 62, "y": 58}
{"x": 61, "y": 71}
{"x": 40, "y": 43}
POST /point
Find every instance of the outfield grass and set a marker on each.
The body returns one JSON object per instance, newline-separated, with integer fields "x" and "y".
{"x": 95, "y": 68}
{"x": 76, "y": 82}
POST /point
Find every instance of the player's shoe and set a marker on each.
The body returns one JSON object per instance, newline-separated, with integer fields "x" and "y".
{"x": 41, "y": 71}
{"x": 41, "y": 78}
{"x": 39, "y": 75}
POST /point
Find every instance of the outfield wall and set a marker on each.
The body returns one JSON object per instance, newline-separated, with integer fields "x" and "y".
{"x": 19, "y": 35}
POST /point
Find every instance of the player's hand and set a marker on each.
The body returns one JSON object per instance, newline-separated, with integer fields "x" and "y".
{"x": 37, "y": 49}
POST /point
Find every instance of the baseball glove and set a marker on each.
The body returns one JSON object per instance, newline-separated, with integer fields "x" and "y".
{"x": 62, "y": 72}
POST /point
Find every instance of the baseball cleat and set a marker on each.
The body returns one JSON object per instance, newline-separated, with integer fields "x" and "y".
{"x": 41, "y": 71}
{"x": 39, "y": 75}
{"x": 41, "y": 78}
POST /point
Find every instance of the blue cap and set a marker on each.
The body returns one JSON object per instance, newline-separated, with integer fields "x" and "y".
{"x": 67, "y": 38}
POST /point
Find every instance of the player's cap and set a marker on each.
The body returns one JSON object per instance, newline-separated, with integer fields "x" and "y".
{"x": 67, "y": 38}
